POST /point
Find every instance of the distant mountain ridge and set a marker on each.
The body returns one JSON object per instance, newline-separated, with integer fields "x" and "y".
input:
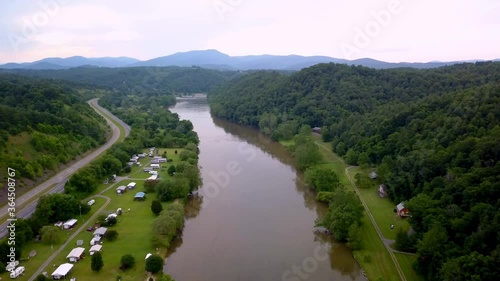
{"x": 214, "y": 59}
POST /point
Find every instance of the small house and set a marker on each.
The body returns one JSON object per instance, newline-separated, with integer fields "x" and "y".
{"x": 155, "y": 166}
{"x": 95, "y": 241}
{"x": 147, "y": 169}
{"x": 131, "y": 185}
{"x": 152, "y": 178}
{"x": 382, "y": 191}
{"x": 141, "y": 155}
{"x": 62, "y": 271}
{"x": 121, "y": 189}
{"x": 316, "y": 130}
{"x": 402, "y": 210}
{"x": 95, "y": 248}
{"x": 100, "y": 232}
{"x": 373, "y": 175}
{"x": 140, "y": 196}
{"x": 76, "y": 254}
{"x": 70, "y": 224}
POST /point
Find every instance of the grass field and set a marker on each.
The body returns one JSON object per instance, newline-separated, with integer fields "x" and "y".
{"x": 406, "y": 263}
{"x": 134, "y": 237}
{"x": 133, "y": 227}
{"x": 382, "y": 209}
{"x": 45, "y": 251}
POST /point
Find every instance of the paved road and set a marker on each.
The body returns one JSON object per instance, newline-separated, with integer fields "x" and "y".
{"x": 70, "y": 239}
{"x": 60, "y": 178}
{"x": 370, "y": 216}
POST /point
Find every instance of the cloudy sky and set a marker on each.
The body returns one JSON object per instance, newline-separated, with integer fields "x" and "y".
{"x": 390, "y": 30}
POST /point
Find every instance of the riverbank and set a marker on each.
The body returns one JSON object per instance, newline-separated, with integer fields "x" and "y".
{"x": 134, "y": 229}
{"x": 378, "y": 262}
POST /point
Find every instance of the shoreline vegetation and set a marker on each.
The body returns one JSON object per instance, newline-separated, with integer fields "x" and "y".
{"x": 174, "y": 140}
{"x": 430, "y": 136}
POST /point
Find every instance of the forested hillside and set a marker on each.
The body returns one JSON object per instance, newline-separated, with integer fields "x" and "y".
{"x": 432, "y": 134}
{"x": 43, "y": 124}
{"x": 132, "y": 80}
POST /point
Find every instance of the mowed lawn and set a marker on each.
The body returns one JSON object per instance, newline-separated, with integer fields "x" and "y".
{"x": 134, "y": 237}
{"x": 406, "y": 264}
{"x": 373, "y": 256}
{"x": 43, "y": 251}
{"x": 382, "y": 209}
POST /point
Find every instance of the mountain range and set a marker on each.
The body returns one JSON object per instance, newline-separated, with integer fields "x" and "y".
{"x": 214, "y": 59}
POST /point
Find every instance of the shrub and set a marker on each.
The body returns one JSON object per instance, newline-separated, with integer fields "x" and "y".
{"x": 127, "y": 261}
{"x": 111, "y": 235}
{"x": 154, "y": 263}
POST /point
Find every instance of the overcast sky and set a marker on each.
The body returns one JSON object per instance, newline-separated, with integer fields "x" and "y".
{"x": 389, "y": 30}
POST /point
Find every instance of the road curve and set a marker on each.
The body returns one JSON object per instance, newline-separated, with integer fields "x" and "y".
{"x": 60, "y": 178}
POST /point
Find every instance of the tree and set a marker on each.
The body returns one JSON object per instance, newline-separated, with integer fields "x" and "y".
{"x": 127, "y": 261}
{"x": 50, "y": 234}
{"x": 156, "y": 207}
{"x": 322, "y": 179}
{"x": 192, "y": 174}
{"x": 2, "y": 268}
{"x": 154, "y": 263}
{"x": 345, "y": 210}
{"x": 149, "y": 186}
{"x": 363, "y": 159}
{"x": 96, "y": 262}
{"x": 307, "y": 155}
{"x": 171, "y": 170}
{"x": 111, "y": 235}
{"x": 351, "y": 157}
{"x": 431, "y": 251}
{"x": 177, "y": 187}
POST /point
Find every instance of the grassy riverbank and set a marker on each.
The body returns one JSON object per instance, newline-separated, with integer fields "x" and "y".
{"x": 373, "y": 257}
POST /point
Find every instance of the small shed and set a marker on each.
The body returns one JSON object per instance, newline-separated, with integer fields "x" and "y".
{"x": 140, "y": 196}
{"x": 382, "y": 191}
{"x": 121, "y": 189}
{"x": 373, "y": 175}
{"x": 62, "y": 271}
{"x": 95, "y": 248}
{"x": 79, "y": 242}
{"x": 76, "y": 254}
{"x": 402, "y": 210}
{"x": 316, "y": 130}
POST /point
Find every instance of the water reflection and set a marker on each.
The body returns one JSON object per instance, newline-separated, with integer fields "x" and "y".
{"x": 262, "y": 223}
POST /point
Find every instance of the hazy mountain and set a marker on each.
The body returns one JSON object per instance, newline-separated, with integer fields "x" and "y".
{"x": 76, "y": 61}
{"x": 214, "y": 59}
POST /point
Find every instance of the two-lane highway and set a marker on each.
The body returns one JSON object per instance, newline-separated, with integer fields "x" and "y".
{"x": 57, "y": 182}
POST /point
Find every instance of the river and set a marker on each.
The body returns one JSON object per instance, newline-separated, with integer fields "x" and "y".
{"x": 253, "y": 219}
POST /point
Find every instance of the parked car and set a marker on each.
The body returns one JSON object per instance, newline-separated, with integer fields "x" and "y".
{"x": 91, "y": 228}
{"x": 91, "y": 202}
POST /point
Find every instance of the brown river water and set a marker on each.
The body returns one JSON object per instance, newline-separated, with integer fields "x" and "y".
{"x": 253, "y": 218}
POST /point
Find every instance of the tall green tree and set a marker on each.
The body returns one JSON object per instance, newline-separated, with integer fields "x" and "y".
{"x": 96, "y": 262}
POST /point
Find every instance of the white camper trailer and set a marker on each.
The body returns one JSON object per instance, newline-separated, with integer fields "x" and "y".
{"x": 17, "y": 272}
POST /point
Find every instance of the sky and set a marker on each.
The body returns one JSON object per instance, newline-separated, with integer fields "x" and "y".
{"x": 388, "y": 30}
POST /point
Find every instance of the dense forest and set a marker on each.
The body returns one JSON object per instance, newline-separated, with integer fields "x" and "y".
{"x": 432, "y": 134}
{"x": 44, "y": 124}
{"x": 144, "y": 80}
